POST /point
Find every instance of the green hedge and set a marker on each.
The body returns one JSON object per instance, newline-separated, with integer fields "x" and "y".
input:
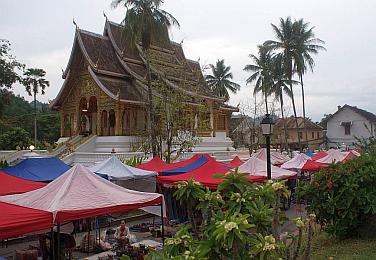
{"x": 343, "y": 196}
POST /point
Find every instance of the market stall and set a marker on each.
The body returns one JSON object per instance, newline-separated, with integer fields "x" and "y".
{"x": 125, "y": 175}
{"x": 256, "y": 167}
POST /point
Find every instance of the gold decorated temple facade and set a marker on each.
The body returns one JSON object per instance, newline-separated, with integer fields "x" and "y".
{"x": 105, "y": 87}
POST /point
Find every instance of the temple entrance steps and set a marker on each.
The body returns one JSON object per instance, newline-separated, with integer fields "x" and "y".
{"x": 108, "y": 144}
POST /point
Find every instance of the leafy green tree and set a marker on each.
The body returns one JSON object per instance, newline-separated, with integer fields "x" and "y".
{"x": 285, "y": 44}
{"x": 35, "y": 82}
{"x": 307, "y": 45}
{"x": 220, "y": 80}
{"x": 261, "y": 73}
{"x": 13, "y": 138}
{"x": 9, "y": 68}
{"x": 146, "y": 21}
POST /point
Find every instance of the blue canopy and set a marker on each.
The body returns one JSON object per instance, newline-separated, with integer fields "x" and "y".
{"x": 190, "y": 167}
{"x": 38, "y": 169}
{"x": 309, "y": 153}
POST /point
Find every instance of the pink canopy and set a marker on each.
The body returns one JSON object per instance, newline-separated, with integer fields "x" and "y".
{"x": 79, "y": 193}
{"x": 333, "y": 155}
{"x": 257, "y": 167}
{"x": 302, "y": 162}
{"x": 276, "y": 158}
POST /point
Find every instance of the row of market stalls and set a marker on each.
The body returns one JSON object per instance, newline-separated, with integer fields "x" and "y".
{"x": 39, "y": 193}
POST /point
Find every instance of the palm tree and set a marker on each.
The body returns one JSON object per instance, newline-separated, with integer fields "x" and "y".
{"x": 261, "y": 73}
{"x": 285, "y": 44}
{"x": 306, "y": 45}
{"x": 34, "y": 82}
{"x": 280, "y": 86}
{"x": 145, "y": 21}
{"x": 220, "y": 80}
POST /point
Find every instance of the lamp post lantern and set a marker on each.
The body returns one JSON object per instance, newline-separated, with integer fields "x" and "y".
{"x": 267, "y": 130}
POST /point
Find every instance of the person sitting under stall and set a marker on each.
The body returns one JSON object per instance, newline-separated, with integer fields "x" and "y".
{"x": 122, "y": 235}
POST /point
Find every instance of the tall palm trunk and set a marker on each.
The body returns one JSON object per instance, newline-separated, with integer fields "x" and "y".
{"x": 284, "y": 121}
{"x": 151, "y": 125}
{"x": 304, "y": 114}
{"x": 294, "y": 108}
{"x": 35, "y": 116}
{"x": 266, "y": 103}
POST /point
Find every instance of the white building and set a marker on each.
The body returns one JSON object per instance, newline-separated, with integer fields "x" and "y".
{"x": 347, "y": 123}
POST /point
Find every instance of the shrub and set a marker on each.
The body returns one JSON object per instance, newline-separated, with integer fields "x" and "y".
{"x": 343, "y": 196}
{"x": 240, "y": 221}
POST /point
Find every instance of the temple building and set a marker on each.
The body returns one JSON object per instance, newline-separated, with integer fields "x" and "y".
{"x": 104, "y": 93}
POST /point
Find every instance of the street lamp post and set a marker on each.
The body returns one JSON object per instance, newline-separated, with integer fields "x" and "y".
{"x": 267, "y": 130}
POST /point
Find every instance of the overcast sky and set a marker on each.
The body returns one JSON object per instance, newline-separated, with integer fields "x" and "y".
{"x": 41, "y": 33}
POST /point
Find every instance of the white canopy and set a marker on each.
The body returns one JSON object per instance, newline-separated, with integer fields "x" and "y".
{"x": 257, "y": 167}
{"x": 79, "y": 193}
{"x": 275, "y": 157}
{"x": 334, "y": 155}
{"x": 297, "y": 162}
{"x": 116, "y": 170}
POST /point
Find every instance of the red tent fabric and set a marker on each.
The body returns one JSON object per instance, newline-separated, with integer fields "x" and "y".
{"x": 236, "y": 162}
{"x": 13, "y": 185}
{"x": 17, "y": 220}
{"x": 319, "y": 155}
{"x": 312, "y": 166}
{"x": 204, "y": 175}
{"x": 79, "y": 193}
{"x": 157, "y": 165}
{"x": 349, "y": 156}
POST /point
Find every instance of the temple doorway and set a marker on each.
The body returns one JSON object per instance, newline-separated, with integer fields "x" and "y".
{"x": 112, "y": 122}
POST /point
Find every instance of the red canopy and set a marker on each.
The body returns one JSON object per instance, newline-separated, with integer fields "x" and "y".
{"x": 13, "y": 185}
{"x": 17, "y": 220}
{"x": 312, "y": 166}
{"x": 319, "y": 155}
{"x": 157, "y": 165}
{"x": 204, "y": 175}
{"x": 349, "y": 156}
{"x": 236, "y": 162}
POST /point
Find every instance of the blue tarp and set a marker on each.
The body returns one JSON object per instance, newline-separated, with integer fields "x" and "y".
{"x": 38, "y": 169}
{"x": 309, "y": 153}
{"x": 190, "y": 167}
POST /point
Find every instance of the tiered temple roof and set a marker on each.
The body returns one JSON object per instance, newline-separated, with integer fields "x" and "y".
{"x": 120, "y": 71}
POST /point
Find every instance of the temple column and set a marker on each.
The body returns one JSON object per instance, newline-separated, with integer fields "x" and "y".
{"x": 196, "y": 124}
{"x": 77, "y": 121}
{"x": 99, "y": 121}
{"x": 61, "y": 124}
{"x": 117, "y": 122}
{"x": 211, "y": 119}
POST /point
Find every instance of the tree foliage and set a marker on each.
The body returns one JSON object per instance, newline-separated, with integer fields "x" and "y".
{"x": 238, "y": 222}
{"x": 343, "y": 196}
{"x": 220, "y": 81}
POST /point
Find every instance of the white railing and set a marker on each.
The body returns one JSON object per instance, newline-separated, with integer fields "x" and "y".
{"x": 88, "y": 159}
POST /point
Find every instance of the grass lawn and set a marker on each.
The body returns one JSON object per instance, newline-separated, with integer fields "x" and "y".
{"x": 350, "y": 249}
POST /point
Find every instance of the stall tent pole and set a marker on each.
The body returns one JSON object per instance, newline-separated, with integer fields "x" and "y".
{"x": 52, "y": 244}
{"x": 58, "y": 241}
{"x": 162, "y": 223}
